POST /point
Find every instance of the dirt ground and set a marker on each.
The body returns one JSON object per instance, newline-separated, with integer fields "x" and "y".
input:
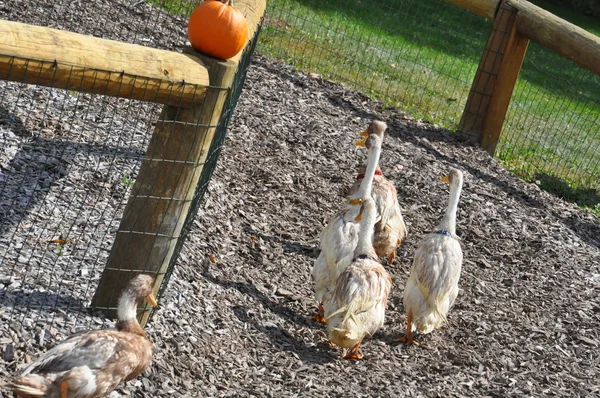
{"x": 527, "y": 318}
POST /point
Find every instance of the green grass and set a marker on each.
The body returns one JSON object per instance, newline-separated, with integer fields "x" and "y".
{"x": 421, "y": 57}
{"x": 177, "y": 7}
{"x": 408, "y": 55}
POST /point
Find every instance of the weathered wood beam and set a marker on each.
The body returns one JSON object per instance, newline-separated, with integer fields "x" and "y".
{"x": 61, "y": 59}
{"x": 494, "y": 81}
{"x": 253, "y": 10}
{"x": 168, "y": 180}
{"x": 506, "y": 81}
{"x": 484, "y": 8}
{"x": 560, "y": 36}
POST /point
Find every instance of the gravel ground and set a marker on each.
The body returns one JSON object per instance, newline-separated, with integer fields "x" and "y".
{"x": 526, "y": 322}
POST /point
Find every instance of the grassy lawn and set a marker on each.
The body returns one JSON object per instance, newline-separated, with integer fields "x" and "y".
{"x": 409, "y": 54}
{"x": 421, "y": 57}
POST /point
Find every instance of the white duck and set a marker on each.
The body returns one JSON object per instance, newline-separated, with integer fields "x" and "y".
{"x": 356, "y": 307}
{"x": 432, "y": 286}
{"x": 390, "y": 231}
{"x": 92, "y": 364}
{"x": 340, "y": 236}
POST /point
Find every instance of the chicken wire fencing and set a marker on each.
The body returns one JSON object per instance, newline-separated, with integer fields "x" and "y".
{"x": 419, "y": 56}
{"x": 422, "y": 56}
{"x": 155, "y": 23}
{"x": 69, "y": 165}
{"x": 552, "y": 130}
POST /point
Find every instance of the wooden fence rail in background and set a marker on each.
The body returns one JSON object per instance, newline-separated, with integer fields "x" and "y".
{"x": 515, "y": 23}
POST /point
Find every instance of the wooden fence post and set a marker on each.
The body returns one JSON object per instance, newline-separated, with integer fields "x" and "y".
{"x": 164, "y": 189}
{"x": 495, "y": 80}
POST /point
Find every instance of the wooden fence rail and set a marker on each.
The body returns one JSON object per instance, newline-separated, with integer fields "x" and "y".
{"x": 515, "y": 23}
{"x": 72, "y": 61}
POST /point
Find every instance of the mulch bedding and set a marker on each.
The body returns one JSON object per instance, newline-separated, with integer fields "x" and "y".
{"x": 239, "y": 323}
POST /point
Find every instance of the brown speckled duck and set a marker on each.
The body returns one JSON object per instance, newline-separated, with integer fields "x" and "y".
{"x": 92, "y": 364}
{"x": 390, "y": 231}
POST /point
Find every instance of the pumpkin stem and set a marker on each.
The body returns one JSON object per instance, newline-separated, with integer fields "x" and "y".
{"x": 227, "y": 2}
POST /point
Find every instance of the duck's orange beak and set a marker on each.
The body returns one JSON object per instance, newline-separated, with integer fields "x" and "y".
{"x": 365, "y": 133}
{"x": 359, "y": 217}
{"x": 445, "y": 179}
{"x": 150, "y": 299}
{"x": 362, "y": 142}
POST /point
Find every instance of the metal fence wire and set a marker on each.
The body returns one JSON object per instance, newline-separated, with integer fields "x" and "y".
{"x": 552, "y": 130}
{"x": 422, "y": 56}
{"x": 156, "y": 23}
{"x": 69, "y": 166}
{"x": 419, "y": 56}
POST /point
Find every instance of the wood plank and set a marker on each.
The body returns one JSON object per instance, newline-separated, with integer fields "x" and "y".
{"x": 478, "y": 101}
{"x": 61, "y": 59}
{"x": 161, "y": 197}
{"x": 503, "y": 89}
{"x": 560, "y": 36}
{"x": 484, "y": 8}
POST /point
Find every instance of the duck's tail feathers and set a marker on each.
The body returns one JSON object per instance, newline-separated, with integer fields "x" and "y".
{"x": 337, "y": 334}
{"x": 30, "y": 386}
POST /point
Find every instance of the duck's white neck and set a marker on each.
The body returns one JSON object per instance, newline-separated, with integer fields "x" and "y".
{"x": 448, "y": 223}
{"x": 127, "y": 309}
{"x": 366, "y": 185}
{"x": 367, "y": 229}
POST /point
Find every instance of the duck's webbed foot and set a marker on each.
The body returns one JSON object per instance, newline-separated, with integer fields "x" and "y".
{"x": 408, "y": 335}
{"x": 406, "y": 339}
{"x": 320, "y": 317}
{"x": 354, "y": 353}
{"x": 64, "y": 389}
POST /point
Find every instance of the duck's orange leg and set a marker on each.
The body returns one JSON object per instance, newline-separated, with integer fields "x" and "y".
{"x": 354, "y": 353}
{"x": 408, "y": 335}
{"x": 320, "y": 317}
{"x": 64, "y": 388}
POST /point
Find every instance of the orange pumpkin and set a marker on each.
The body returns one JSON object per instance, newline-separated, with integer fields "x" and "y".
{"x": 218, "y": 29}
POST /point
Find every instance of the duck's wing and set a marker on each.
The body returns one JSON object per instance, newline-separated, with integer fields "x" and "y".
{"x": 437, "y": 266}
{"x": 386, "y": 198}
{"x": 94, "y": 349}
{"x": 361, "y": 287}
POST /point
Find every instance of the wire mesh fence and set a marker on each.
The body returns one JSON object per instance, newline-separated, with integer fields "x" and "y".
{"x": 420, "y": 56}
{"x": 157, "y": 23}
{"x": 73, "y": 168}
{"x": 552, "y": 130}
{"x": 68, "y": 162}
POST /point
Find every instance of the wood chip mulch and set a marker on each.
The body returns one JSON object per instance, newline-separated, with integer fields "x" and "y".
{"x": 236, "y": 319}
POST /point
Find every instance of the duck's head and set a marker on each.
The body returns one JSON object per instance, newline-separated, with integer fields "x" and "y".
{"x": 376, "y": 128}
{"x": 371, "y": 141}
{"x": 141, "y": 288}
{"x": 454, "y": 177}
